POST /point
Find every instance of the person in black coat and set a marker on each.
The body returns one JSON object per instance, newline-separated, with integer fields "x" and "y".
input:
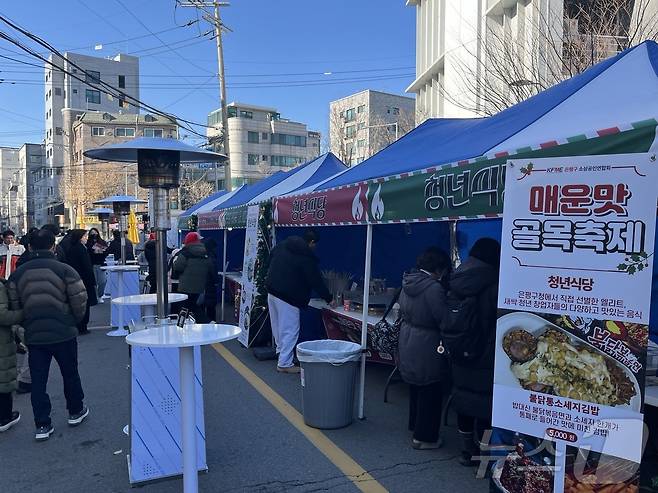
{"x": 473, "y": 383}
{"x": 97, "y": 246}
{"x": 294, "y": 273}
{"x": 150, "y": 253}
{"x": 210, "y": 296}
{"x": 423, "y": 307}
{"x": 114, "y": 247}
{"x": 78, "y": 258}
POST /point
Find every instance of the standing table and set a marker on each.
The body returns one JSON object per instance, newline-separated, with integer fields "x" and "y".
{"x": 147, "y": 303}
{"x": 186, "y": 340}
{"x": 123, "y": 280}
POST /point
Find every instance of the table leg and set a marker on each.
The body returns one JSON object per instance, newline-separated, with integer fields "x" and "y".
{"x": 121, "y": 330}
{"x": 188, "y": 417}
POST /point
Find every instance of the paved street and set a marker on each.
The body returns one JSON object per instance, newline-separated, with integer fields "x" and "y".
{"x": 251, "y": 445}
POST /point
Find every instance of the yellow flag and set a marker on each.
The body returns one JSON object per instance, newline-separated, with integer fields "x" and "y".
{"x": 133, "y": 234}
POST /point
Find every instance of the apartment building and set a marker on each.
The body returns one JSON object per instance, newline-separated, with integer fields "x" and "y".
{"x": 261, "y": 142}
{"x": 74, "y": 89}
{"x": 83, "y": 182}
{"x": 477, "y": 57}
{"x": 10, "y": 178}
{"x": 362, "y": 124}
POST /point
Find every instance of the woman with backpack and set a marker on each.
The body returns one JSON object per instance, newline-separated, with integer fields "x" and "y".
{"x": 420, "y": 362}
{"x": 473, "y": 299}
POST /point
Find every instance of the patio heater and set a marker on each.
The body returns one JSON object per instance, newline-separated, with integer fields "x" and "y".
{"x": 158, "y": 168}
{"x": 121, "y": 208}
{"x": 103, "y": 214}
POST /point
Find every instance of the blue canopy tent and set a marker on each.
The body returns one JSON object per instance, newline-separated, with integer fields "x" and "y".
{"x": 569, "y": 113}
{"x": 306, "y": 175}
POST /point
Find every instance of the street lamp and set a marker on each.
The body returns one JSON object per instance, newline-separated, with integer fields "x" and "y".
{"x": 158, "y": 168}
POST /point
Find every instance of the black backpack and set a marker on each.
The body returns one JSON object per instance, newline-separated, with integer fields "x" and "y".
{"x": 464, "y": 332}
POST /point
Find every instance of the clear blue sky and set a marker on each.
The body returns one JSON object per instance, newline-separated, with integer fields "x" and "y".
{"x": 274, "y": 43}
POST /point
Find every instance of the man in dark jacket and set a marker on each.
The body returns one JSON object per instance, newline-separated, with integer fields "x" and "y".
{"x": 114, "y": 247}
{"x": 293, "y": 274}
{"x": 53, "y": 299}
{"x": 473, "y": 382}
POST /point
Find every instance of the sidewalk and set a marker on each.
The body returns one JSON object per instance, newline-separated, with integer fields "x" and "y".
{"x": 251, "y": 446}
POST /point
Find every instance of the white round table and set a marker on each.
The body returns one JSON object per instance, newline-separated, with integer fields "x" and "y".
{"x": 147, "y": 302}
{"x": 185, "y": 339}
{"x": 119, "y": 269}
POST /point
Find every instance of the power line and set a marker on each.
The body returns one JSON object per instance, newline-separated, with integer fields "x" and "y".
{"x": 111, "y": 90}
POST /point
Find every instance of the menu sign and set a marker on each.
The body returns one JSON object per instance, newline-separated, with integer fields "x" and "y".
{"x": 248, "y": 273}
{"x": 574, "y": 298}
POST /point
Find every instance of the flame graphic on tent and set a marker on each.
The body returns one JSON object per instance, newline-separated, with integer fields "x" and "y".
{"x": 357, "y": 206}
{"x": 377, "y": 207}
{"x": 276, "y": 212}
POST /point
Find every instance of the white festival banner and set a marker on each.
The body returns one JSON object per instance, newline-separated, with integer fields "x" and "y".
{"x": 574, "y": 298}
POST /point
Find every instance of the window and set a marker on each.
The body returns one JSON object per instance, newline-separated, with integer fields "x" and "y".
{"x": 58, "y": 91}
{"x": 51, "y": 172}
{"x": 58, "y": 131}
{"x": 124, "y": 132}
{"x": 252, "y": 137}
{"x": 59, "y": 171}
{"x": 361, "y": 126}
{"x": 361, "y": 108}
{"x": 393, "y": 110}
{"x": 274, "y": 116}
{"x": 285, "y": 160}
{"x": 252, "y": 159}
{"x": 264, "y": 136}
{"x": 264, "y": 157}
{"x": 98, "y": 131}
{"x": 289, "y": 140}
{"x": 350, "y": 115}
{"x": 92, "y": 76}
{"x": 122, "y": 103}
{"x": 51, "y": 191}
{"x": 153, "y": 132}
{"x": 93, "y": 96}
{"x": 246, "y": 114}
{"x": 75, "y": 91}
{"x": 350, "y": 131}
{"x": 361, "y": 143}
{"x": 231, "y": 111}
{"x": 122, "y": 81}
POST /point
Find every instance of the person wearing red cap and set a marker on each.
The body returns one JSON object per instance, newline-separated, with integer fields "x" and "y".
{"x": 195, "y": 270}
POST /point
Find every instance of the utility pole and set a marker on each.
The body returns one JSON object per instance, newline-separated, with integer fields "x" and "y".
{"x": 216, "y": 21}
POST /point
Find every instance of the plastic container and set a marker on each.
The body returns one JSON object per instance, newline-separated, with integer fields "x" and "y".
{"x": 328, "y": 373}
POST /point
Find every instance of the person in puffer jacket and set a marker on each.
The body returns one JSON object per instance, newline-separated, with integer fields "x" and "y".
{"x": 8, "y": 372}
{"x": 473, "y": 383}
{"x": 54, "y": 300}
{"x": 423, "y": 308}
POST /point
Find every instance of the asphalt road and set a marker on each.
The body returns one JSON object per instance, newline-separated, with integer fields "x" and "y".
{"x": 250, "y": 445}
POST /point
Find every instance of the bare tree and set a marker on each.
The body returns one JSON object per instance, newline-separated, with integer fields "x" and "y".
{"x": 360, "y": 136}
{"x": 193, "y": 189}
{"x": 556, "y": 42}
{"x": 83, "y": 184}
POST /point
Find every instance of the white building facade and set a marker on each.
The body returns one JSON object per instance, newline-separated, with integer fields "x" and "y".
{"x": 261, "y": 142}
{"x": 362, "y": 124}
{"x": 74, "y": 90}
{"x": 11, "y": 204}
{"x": 476, "y": 57}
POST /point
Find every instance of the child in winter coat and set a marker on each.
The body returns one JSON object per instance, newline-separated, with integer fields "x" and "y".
{"x": 8, "y": 417}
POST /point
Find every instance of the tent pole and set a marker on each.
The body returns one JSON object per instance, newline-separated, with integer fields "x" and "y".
{"x": 364, "y": 323}
{"x": 224, "y": 276}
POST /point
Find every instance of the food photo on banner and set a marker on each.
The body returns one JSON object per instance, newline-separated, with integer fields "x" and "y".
{"x": 575, "y": 290}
